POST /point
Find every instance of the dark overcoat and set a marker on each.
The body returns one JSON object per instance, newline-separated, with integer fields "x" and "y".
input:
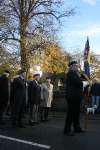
{"x": 18, "y": 93}
{"x": 74, "y": 87}
{"x": 95, "y": 89}
{"x": 74, "y": 94}
{"x": 4, "y": 91}
{"x": 34, "y": 92}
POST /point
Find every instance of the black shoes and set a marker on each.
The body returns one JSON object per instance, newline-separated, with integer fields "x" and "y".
{"x": 69, "y": 133}
{"x": 21, "y": 126}
{"x": 79, "y": 130}
{"x": 72, "y": 133}
{"x": 17, "y": 125}
{"x": 2, "y": 122}
{"x": 45, "y": 120}
{"x": 33, "y": 123}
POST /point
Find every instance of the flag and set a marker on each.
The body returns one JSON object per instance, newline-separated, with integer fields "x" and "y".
{"x": 87, "y": 58}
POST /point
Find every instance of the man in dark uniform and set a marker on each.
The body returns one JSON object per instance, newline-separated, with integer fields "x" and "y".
{"x": 18, "y": 99}
{"x": 74, "y": 92}
{"x": 34, "y": 99}
{"x": 4, "y": 93}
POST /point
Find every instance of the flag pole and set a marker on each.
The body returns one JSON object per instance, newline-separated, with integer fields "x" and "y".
{"x": 87, "y": 77}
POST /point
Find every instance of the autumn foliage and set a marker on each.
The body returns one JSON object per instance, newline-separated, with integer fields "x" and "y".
{"x": 55, "y": 60}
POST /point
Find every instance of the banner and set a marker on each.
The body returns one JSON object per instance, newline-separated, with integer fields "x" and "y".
{"x": 87, "y": 58}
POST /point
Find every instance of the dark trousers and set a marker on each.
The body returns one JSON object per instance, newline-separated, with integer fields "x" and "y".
{"x": 72, "y": 117}
{"x": 3, "y": 105}
{"x": 17, "y": 111}
{"x": 34, "y": 112}
{"x": 44, "y": 112}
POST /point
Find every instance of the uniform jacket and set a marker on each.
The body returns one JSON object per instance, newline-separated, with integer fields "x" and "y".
{"x": 18, "y": 90}
{"x": 74, "y": 87}
{"x": 4, "y": 91}
{"x": 34, "y": 92}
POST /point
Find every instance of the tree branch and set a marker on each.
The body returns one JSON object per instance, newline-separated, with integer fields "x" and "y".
{"x": 14, "y": 7}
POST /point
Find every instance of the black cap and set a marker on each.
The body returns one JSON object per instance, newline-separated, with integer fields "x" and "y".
{"x": 21, "y": 71}
{"x": 6, "y": 71}
{"x": 72, "y": 63}
{"x": 36, "y": 74}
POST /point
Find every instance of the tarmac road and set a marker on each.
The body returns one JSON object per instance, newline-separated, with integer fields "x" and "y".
{"x": 49, "y": 135}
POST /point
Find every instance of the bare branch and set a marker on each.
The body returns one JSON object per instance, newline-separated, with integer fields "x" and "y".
{"x": 52, "y": 13}
{"x": 15, "y": 39}
{"x": 13, "y": 6}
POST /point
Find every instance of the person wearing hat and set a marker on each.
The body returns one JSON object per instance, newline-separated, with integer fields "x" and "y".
{"x": 34, "y": 91}
{"x": 18, "y": 99}
{"x": 4, "y": 93}
{"x": 74, "y": 92}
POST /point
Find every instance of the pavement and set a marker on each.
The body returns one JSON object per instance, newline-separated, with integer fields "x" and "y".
{"x": 49, "y": 135}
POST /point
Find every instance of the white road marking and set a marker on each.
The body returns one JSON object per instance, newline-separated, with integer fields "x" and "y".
{"x": 25, "y": 142}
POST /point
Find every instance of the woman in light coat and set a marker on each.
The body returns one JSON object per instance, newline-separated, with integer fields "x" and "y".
{"x": 46, "y": 98}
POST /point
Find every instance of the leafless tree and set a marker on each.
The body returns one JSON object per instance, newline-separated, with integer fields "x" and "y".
{"x": 27, "y": 18}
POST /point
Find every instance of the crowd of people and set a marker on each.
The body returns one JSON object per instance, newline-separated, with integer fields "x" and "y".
{"x": 20, "y": 94}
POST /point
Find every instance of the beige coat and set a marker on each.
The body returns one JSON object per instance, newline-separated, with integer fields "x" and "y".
{"x": 46, "y": 95}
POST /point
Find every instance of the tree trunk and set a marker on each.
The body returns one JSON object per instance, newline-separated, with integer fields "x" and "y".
{"x": 24, "y": 54}
{"x": 24, "y": 51}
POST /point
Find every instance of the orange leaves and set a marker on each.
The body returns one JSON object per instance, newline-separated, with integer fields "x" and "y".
{"x": 55, "y": 61}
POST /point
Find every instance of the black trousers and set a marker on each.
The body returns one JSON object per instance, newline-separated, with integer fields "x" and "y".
{"x": 3, "y": 105}
{"x": 34, "y": 112}
{"x": 44, "y": 112}
{"x": 72, "y": 116}
{"x": 17, "y": 111}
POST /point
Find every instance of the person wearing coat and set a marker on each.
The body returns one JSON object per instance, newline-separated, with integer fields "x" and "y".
{"x": 46, "y": 98}
{"x": 18, "y": 99}
{"x": 74, "y": 95}
{"x": 4, "y": 93}
{"x": 95, "y": 92}
{"x": 34, "y": 92}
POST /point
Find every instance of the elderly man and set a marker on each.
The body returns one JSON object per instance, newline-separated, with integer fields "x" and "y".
{"x": 18, "y": 99}
{"x": 34, "y": 92}
{"x": 74, "y": 92}
{"x": 4, "y": 93}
